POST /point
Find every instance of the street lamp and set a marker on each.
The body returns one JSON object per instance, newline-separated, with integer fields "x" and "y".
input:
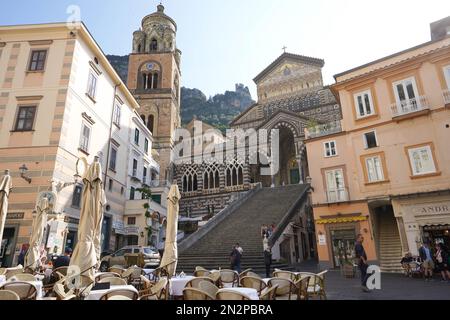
{"x": 23, "y": 169}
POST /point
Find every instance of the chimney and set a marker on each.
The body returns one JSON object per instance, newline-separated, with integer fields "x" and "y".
{"x": 440, "y": 29}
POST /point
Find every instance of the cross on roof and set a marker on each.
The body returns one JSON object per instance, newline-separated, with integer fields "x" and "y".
{"x": 284, "y": 49}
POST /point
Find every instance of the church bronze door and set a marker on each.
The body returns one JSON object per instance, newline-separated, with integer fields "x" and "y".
{"x": 295, "y": 176}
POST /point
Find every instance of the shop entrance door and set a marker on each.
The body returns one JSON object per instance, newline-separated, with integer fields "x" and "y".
{"x": 343, "y": 244}
{"x": 437, "y": 234}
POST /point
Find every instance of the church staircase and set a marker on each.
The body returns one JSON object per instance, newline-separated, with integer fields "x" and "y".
{"x": 243, "y": 225}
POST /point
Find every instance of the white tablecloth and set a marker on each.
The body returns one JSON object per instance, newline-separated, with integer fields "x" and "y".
{"x": 251, "y": 293}
{"x": 2, "y": 279}
{"x": 97, "y": 294}
{"x": 177, "y": 285}
{"x": 266, "y": 280}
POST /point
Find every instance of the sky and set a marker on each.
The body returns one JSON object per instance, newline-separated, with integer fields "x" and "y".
{"x": 224, "y": 42}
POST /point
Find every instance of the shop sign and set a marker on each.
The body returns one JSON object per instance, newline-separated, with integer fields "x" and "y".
{"x": 132, "y": 230}
{"x": 322, "y": 240}
{"x": 431, "y": 208}
{"x": 15, "y": 215}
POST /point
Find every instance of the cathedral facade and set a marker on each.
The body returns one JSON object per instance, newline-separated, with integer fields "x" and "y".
{"x": 291, "y": 98}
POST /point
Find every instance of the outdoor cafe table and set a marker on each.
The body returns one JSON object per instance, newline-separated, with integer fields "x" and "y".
{"x": 177, "y": 285}
{"x": 251, "y": 293}
{"x": 97, "y": 294}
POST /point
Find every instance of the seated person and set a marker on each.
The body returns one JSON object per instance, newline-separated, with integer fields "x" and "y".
{"x": 406, "y": 263}
{"x": 64, "y": 260}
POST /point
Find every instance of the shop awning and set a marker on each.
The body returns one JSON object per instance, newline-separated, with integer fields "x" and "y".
{"x": 341, "y": 220}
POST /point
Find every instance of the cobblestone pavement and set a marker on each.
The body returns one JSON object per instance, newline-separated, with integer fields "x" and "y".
{"x": 393, "y": 287}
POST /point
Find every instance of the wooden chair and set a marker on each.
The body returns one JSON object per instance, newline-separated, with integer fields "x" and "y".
{"x": 285, "y": 275}
{"x": 133, "y": 295}
{"x": 61, "y": 293}
{"x": 269, "y": 293}
{"x": 157, "y": 292}
{"x": 208, "y": 287}
{"x": 316, "y": 285}
{"x": 8, "y": 295}
{"x": 252, "y": 282}
{"x": 286, "y": 288}
{"x": 106, "y": 275}
{"x": 116, "y": 269}
{"x": 228, "y": 278}
{"x": 215, "y": 276}
{"x": 12, "y": 272}
{"x": 25, "y": 290}
{"x": 224, "y": 294}
{"x": 196, "y": 294}
{"x": 23, "y": 277}
{"x": 302, "y": 288}
{"x": 114, "y": 281}
{"x": 133, "y": 276}
{"x": 245, "y": 273}
{"x": 201, "y": 273}
{"x": 194, "y": 283}
{"x": 253, "y": 274}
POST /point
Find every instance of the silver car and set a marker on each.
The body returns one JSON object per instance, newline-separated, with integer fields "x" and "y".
{"x": 151, "y": 257}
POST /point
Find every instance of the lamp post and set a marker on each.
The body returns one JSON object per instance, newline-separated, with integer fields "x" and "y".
{"x": 23, "y": 170}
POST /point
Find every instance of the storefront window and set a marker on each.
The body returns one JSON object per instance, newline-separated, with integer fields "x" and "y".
{"x": 343, "y": 245}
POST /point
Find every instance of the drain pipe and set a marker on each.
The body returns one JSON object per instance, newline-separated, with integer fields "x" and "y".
{"x": 110, "y": 135}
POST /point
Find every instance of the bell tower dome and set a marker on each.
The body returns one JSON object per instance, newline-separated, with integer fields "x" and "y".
{"x": 154, "y": 78}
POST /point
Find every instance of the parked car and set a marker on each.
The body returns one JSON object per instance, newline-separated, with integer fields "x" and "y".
{"x": 151, "y": 257}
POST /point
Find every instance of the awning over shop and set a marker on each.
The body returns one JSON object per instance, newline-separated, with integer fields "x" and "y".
{"x": 341, "y": 220}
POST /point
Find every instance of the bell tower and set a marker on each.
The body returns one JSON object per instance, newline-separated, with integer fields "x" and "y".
{"x": 154, "y": 79}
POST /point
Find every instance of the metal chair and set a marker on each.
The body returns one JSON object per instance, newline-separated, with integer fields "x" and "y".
{"x": 229, "y": 278}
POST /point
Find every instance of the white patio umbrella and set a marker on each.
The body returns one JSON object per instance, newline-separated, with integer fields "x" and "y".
{"x": 5, "y": 188}
{"x": 32, "y": 258}
{"x": 86, "y": 255}
{"x": 170, "y": 248}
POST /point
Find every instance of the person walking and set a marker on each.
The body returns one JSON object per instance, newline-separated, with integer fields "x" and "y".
{"x": 268, "y": 260}
{"x": 161, "y": 246}
{"x": 360, "y": 254}
{"x": 441, "y": 257}
{"x": 235, "y": 258}
{"x": 428, "y": 263}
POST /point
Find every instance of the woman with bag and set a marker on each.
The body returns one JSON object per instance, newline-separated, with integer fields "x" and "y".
{"x": 441, "y": 257}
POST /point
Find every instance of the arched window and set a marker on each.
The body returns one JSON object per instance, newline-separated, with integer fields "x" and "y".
{"x": 211, "y": 177}
{"x": 155, "y": 81}
{"x": 190, "y": 180}
{"x": 151, "y": 122}
{"x": 143, "y": 118}
{"x": 234, "y": 174}
{"x": 139, "y": 48}
{"x": 154, "y": 45}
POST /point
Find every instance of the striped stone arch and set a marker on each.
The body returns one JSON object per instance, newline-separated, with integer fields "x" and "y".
{"x": 288, "y": 125}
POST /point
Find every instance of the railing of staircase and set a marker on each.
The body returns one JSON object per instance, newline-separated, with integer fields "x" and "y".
{"x": 288, "y": 217}
{"x": 188, "y": 241}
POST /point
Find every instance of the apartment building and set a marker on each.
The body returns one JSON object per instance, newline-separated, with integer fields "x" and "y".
{"x": 384, "y": 170}
{"x": 61, "y": 100}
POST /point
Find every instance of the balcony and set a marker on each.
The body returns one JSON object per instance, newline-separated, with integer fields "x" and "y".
{"x": 134, "y": 175}
{"x": 159, "y": 184}
{"x": 323, "y": 129}
{"x": 338, "y": 195}
{"x": 446, "y": 95}
{"x": 413, "y": 107}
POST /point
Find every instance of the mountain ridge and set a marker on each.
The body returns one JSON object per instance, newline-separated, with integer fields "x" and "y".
{"x": 218, "y": 110}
